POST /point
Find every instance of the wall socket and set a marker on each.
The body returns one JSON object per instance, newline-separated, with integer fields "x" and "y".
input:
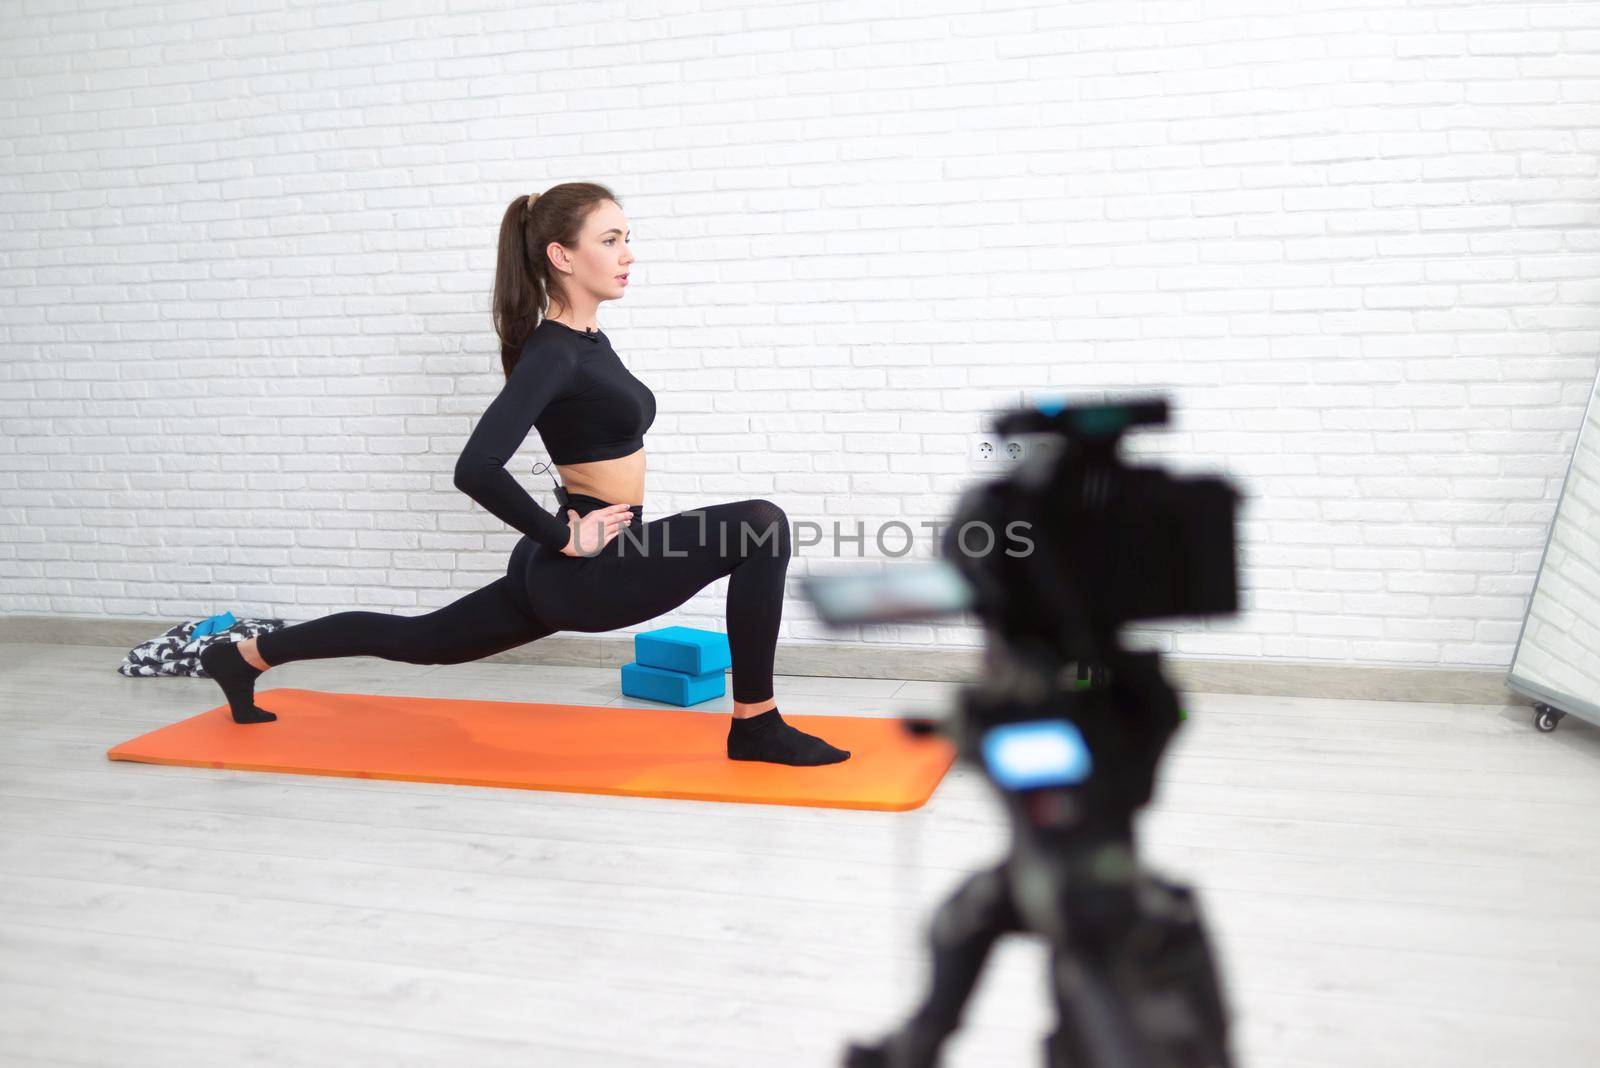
{"x": 992, "y": 450}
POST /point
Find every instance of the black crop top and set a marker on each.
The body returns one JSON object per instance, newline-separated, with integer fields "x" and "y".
{"x": 571, "y": 385}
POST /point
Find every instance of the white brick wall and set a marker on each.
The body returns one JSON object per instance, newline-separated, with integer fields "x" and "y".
{"x": 247, "y": 260}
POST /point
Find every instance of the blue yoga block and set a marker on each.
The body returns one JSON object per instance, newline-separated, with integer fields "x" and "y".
{"x": 686, "y": 649}
{"x": 673, "y": 687}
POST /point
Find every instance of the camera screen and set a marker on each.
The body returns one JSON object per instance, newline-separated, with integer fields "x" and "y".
{"x": 908, "y": 592}
{"x": 1034, "y": 753}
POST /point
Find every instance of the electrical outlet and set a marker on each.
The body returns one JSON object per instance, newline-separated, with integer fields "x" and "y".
{"x": 991, "y": 450}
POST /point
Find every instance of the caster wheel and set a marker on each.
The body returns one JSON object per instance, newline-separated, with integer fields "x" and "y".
{"x": 1545, "y": 718}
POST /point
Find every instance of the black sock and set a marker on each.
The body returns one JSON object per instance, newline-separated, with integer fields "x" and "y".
{"x": 767, "y": 737}
{"x": 237, "y": 676}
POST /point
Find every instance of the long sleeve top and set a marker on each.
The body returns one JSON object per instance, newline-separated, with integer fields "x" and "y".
{"x": 587, "y": 406}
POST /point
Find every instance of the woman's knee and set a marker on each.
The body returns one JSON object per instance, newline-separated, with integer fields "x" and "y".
{"x": 764, "y": 529}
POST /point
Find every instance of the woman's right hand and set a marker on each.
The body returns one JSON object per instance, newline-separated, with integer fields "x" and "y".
{"x": 592, "y": 532}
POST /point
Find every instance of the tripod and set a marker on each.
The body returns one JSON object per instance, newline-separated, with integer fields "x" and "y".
{"x": 1131, "y": 970}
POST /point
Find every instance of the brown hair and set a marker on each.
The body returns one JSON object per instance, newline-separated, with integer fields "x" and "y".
{"x": 525, "y": 283}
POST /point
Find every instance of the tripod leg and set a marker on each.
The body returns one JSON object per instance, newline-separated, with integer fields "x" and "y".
{"x": 1184, "y": 964}
{"x": 1094, "y": 1025}
{"x": 1154, "y": 998}
{"x": 963, "y": 931}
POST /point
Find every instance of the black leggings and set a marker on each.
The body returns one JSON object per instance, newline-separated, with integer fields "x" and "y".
{"x": 645, "y": 570}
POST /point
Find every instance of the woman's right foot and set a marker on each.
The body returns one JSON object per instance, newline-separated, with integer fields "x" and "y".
{"x": 767, "y": 737}
{"x": 237, "y": 677}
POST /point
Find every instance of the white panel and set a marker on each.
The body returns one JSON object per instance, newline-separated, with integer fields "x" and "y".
{"x": 1560, "y": 647}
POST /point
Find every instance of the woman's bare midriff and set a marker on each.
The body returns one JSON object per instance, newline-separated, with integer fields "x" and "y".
{"x": 617, "y": 481}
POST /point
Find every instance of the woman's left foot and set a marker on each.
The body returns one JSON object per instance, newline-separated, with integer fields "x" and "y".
{"x": 767, "y": 737}
{"x": 237, "y": 676}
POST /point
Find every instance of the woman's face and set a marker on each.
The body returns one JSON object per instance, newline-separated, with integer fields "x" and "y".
{"x": 602, "y": 259}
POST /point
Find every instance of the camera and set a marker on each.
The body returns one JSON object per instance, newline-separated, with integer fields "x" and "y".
{"x": 1068, "y": 726}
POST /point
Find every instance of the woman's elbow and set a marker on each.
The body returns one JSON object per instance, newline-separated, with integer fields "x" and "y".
{"x": 469, "y": 475}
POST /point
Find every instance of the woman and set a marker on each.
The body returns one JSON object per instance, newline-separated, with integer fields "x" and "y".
{"x": 600, "y": 566}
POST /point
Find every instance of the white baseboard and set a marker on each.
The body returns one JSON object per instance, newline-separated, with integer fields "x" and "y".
{"x": 1478, "y": 686}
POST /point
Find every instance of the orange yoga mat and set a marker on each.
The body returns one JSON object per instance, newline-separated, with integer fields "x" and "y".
{"x": 654, "y": 752}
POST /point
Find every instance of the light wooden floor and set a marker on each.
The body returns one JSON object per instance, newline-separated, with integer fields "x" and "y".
{"x": 1387, "y": 884}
